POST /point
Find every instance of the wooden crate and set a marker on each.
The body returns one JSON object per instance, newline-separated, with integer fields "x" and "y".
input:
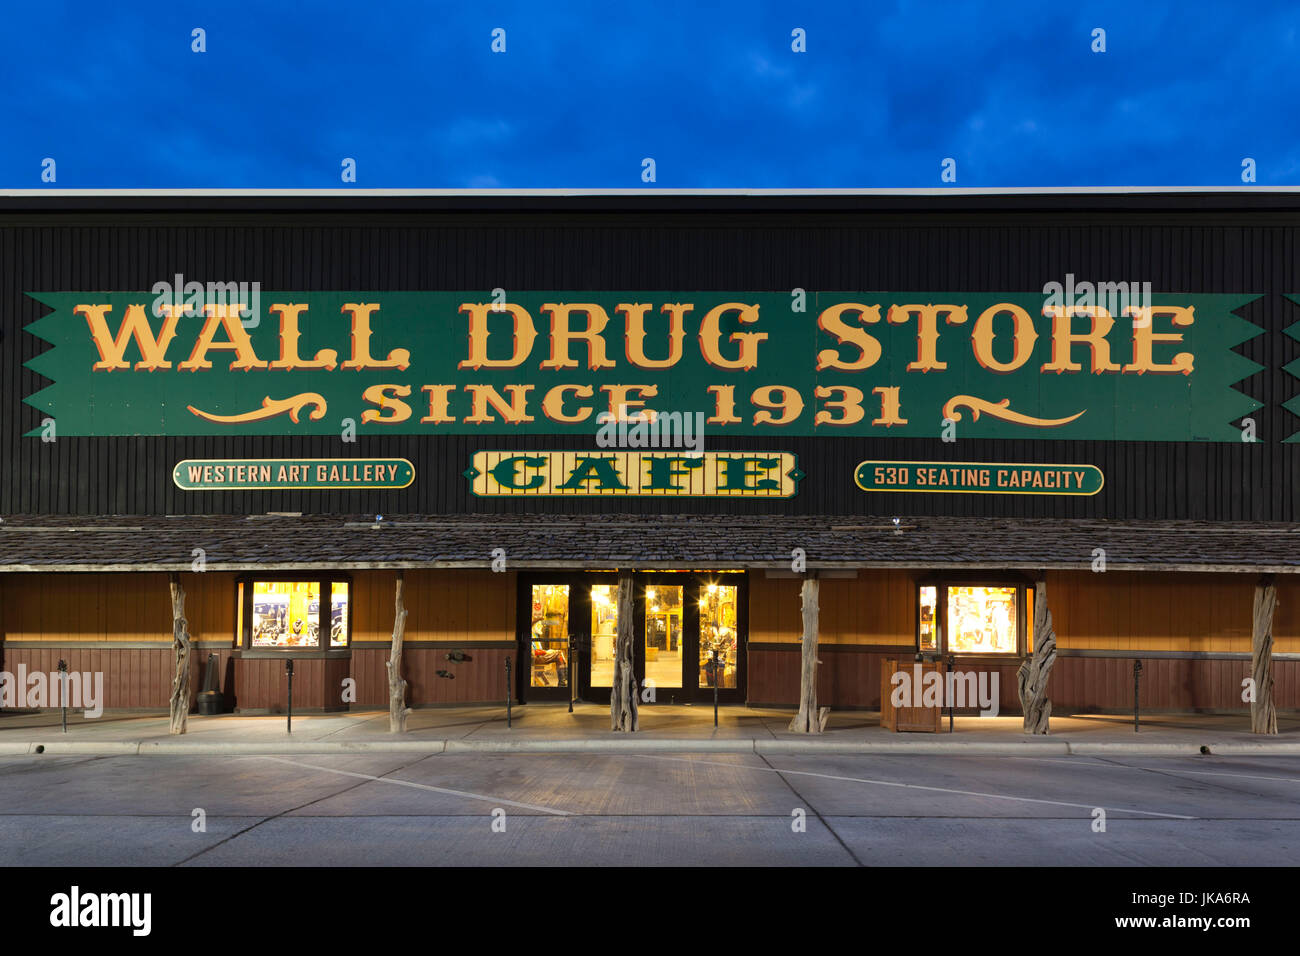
{"x": 907, "y": 719}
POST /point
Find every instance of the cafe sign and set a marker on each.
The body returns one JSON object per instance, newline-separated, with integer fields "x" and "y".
{"x": 855, "y": 364}
{"x": 286, "y": 474}
{"x": 968, "y": 477}
{"x": 714, "y": 474}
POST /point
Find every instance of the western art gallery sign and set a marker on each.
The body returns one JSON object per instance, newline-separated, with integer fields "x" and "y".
{"x": 316, "y": 363}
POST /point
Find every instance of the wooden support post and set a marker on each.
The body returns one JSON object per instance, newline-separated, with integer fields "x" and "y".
{"x": 809, "y": 720}
{"x": 1263, "y": 712}
{"x": 1031, "y": 678}
{"x": 397, "y": 709}
{"x": 623, "y": 692}
{"x": 180, "y": 699}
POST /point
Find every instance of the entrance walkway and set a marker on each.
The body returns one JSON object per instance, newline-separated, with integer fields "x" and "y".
{"x": 551, "y": 728}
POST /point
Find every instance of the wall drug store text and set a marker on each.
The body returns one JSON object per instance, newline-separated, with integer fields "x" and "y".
{"x": 1002, "y": 365}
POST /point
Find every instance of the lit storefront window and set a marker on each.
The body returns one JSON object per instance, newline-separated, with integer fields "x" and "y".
{"x": 604, "y": 632}
{"x": 550, "y": 635}
{"x": 663, "y": 635}
{"x": 929, "y": 637}
{"x": 982, "y": 620}
{"x": 286, "y": 614}
{"x": 718, "y": 633}
{"x": 339, "y": 614}
{"x": 279, "y": 615}
{"x": 960, "y": 618}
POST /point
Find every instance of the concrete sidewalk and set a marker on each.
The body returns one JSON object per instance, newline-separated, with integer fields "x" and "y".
{"x": 550, "y": 728}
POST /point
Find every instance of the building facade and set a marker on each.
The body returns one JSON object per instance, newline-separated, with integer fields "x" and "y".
{"x": 930, "y": 402}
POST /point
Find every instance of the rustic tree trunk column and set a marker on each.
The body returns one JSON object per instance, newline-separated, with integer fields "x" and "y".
{"x": 1032, "y": 676}
{"x": 623, "y": 692}
{"x": 397, "y": 709}
{"x": 1263, "y": 713}
{"x": 180, "y": 699}
{"x": 809, "y": 720}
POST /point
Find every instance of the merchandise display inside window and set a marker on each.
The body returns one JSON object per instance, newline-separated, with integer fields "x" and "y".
{"x": 286, "y": 614}
{"x": 604, "y": 632}
{"x": 929, "y": 636}
{"x": 663, "y": 635}
{"x": 339, "y": 614}
{"x": 955, "y": 617}
{"x": 982, "y": 620}
{"x": 718, "y": 634}
{"x": 550, "y": 635}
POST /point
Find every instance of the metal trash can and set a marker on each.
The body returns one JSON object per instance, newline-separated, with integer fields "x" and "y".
{"x": 210, "y": 700}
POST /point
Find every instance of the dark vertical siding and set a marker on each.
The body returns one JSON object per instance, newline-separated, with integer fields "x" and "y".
{"x": 1177, "y": 249}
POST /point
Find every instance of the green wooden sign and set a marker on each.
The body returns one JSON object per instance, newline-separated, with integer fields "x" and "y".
{"x": 992, "y": 365}
{"x": 256, "y": 474}
{"x": 970, "y": 477}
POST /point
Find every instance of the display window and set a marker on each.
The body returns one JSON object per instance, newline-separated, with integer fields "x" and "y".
{"x": 970, "y": 617}
{"x": 718, "y": 649}
{"x": 339, "y": 614}
{"x": 604, "y": 632}
{"x": 550, "y": 635}
{"x": 288, "y": 614}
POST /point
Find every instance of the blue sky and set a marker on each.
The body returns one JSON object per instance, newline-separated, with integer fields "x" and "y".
{"x": 585, "y": 91}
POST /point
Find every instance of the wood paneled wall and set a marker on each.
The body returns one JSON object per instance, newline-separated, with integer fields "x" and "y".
{"x": 458, "y": 607}
{"x": 1118, "y": 610}
{"x": 850, "y": 678}
{"x": 116, "y": 608}
{"x": 456, "y": 610}
{"x": 262, "y": 684}
{"x": 66, "y": 615}
{"x": 1166, "y": 611}
{"x": 476, "y": 681}
{"x": 874, "y": 608}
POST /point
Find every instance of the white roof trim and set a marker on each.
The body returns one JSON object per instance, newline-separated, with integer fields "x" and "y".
{"x": 647, "y": 191}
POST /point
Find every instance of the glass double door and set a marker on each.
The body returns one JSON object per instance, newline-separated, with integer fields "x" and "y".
{"x": 687, "y": 629}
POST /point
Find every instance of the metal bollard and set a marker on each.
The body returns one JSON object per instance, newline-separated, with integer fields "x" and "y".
{"x": 63, "y": 692}
{"x": 716, "y": 665}
{"x": 288, "y": 668}
{"x": 507, "y": 692}
{"x": 1137, "y": 677}
{"x": 952, "y": 662}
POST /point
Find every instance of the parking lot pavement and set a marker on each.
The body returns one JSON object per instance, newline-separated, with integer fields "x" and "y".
{"x": 647, "y": 810}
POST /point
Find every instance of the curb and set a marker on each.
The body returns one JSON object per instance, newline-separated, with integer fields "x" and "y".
{"x": 642, "y": 745}
{"x": 627, "y": 745}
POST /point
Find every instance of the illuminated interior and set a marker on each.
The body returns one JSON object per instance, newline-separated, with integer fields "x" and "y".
{"x": 286, "y": 614}
{"x": 670, "y": 655}
{"x": 604, "y": 632}
{"x": 929, "y": 636}
{"x": 339, "y": 614}
{"x": 663, "y": 635}
{"x": 550, "y": 635}
{"x": 718, "y": 634}
{"x": 982, "y": 620}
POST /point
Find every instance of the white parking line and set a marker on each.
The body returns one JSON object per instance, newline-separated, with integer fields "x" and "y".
{"x": 422, "y": 786}
{"x": 917, "y": 786}
{"x": 1216, "y": 773}
{"x": 1201, "y": 773}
